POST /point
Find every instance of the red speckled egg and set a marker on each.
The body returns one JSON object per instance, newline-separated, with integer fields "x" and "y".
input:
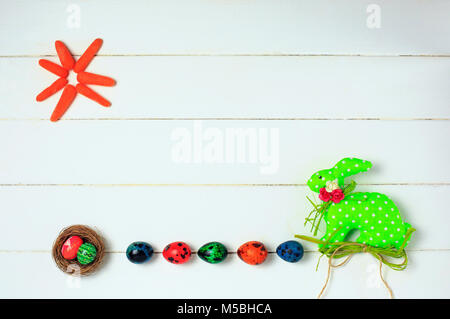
{"x": 252, "y": 252}
{"x": 177, "y": 252}
{"x": 70, "y": 248}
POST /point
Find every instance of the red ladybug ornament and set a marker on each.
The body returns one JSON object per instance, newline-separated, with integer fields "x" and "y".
{"x": 70, "y": 248}
{"x": 177, "y": 253}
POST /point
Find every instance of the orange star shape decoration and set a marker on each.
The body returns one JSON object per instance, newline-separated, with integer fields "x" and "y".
{"x": 68, "y": 63}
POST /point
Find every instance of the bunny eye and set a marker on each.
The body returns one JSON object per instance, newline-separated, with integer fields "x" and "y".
{"x": 320, "y": 177}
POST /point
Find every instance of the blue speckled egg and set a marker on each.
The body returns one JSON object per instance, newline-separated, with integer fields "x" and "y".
{"x": 139, "y": 252}
{"x": 290, "y": 251}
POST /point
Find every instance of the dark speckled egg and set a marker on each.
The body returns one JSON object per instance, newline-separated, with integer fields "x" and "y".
{"x": 139, "y": 252}
{"x": 290, "y": 251}
{"x": 177, "y": 253}
{"x": 213, "y": 252}
{"x": 252, "y": 252}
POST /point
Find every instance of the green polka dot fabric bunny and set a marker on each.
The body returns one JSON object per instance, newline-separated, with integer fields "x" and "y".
{"x": 382, "y": 232}
{"x": 375, "y": 215}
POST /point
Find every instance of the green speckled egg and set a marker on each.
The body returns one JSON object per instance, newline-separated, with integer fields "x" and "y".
{"x": 86, "y": 253}
{"x": 213, "y": 252}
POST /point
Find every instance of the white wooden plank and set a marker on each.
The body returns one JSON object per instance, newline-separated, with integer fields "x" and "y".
{"x": 35, "y": 276}
{"x": 223, "y": 27}
{"x": 136, "y": 152}
{"x": 241, "y": 87}
{"x": 160, "y": 215}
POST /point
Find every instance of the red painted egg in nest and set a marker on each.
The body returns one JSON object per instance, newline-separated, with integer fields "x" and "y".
{"x": 252, "y": 252}
{"x": 70, "y": 248}
{"x": 177, "y": 253}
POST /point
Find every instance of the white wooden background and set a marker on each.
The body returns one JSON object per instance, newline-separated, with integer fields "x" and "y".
{"x": 313, "y": 69}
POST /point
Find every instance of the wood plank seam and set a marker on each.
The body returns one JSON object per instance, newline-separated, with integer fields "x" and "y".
{"x": 194, "y": 252}
{"x": 243, "y": 55}
{"x": 399, "y": 119}
{"x": 215, "y": 185}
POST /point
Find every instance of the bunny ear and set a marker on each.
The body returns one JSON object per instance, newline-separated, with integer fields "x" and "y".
{"x": 350, "y": 166}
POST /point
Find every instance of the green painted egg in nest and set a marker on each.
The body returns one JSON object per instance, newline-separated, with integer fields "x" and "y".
{"x": 213, "y": 252}
{"x": 86, "y": 253}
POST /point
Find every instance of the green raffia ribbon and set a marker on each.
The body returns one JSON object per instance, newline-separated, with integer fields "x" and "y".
{"x": 316, "y": 215}
{"x": 344, "y": 249}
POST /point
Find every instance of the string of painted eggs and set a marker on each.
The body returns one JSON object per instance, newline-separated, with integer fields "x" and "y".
{"x": 252, "y": 252}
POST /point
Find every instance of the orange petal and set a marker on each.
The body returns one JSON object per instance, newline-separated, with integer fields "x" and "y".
{"x": 91, "y": 78}
{"x": 66, "y": 99}
{"x": 52, "y": 89}
{"x": 91, "y": 94}
{"x": 67, "y": 61}
{"x": 54, "y": 68}
{"x": 87, "y": 56}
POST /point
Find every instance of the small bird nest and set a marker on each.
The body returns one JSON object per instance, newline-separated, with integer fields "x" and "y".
{"x": 73, "y": 267}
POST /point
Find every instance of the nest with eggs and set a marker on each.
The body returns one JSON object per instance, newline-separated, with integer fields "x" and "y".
{"x": 73, "y": 267}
